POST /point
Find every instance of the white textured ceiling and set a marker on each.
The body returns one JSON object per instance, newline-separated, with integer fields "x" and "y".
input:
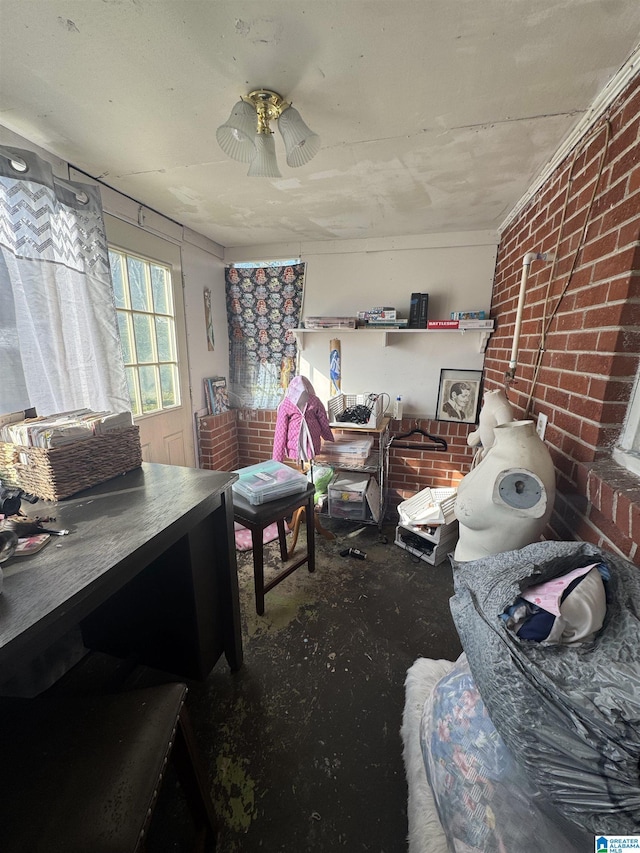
{"x": 435, "y": 115}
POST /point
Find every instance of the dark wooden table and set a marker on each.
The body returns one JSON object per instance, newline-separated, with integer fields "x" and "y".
{"x": 148, "y": 571}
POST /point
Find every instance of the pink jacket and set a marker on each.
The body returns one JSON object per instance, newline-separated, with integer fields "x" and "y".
{"x": 300, "y": 403}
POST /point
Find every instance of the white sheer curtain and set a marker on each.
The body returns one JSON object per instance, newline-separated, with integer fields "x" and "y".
{"x": 59, "y": 340}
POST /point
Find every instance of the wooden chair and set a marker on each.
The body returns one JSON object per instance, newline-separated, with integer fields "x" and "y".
{"x": 81, "y": 774}
{"x": 296, "y": 521}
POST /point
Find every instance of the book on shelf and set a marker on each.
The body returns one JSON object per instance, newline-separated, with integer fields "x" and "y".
{"x": 329, "y": 322}
{"x": 414, "y": 310}
{"x": 463, "y": 325}
{"x": 475, "y": 324}
{"x": 377, "y": 314}
{"x": 443, "y": 324}
{"x": 398, "y": 323}
{"x": 418, "y": 310}
{"x": 468, "y": 315}
{"x": 423, "y": 311}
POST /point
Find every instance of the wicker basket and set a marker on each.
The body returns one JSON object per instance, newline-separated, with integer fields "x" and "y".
{"x": 62, "y": 471}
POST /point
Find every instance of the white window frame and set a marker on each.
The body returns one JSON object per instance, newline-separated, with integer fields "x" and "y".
{"x": 627, "y": 451}
{"x": 130, "y": 313}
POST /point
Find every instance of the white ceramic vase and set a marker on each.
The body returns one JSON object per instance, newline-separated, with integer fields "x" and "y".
{"x": 505, "y": 502}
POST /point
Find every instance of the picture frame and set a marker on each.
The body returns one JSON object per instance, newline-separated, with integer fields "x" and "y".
{"x": 208, "y": 320}
{"x": 459, "y": 396}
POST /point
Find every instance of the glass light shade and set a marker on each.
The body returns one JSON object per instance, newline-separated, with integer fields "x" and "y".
{"x": 236, "y": 136}
{"x": 264, "y": 164}
{"x": 302, "y": 144}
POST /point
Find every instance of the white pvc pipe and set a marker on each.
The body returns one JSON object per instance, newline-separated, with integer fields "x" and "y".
{"x": 526, "y": 263}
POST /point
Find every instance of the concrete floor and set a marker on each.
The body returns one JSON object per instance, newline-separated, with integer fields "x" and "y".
{"x": 302, "y": 745}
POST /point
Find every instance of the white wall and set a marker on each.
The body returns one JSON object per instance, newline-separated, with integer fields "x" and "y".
{"x": 342, "y": 278}
{"x": 201, "y": 270}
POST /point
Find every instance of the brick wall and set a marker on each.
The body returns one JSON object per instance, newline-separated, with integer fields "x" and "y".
{"x": 413, "y": 470}
{"x": 245, "y": 436}
{"x": 218, "y": 442}
{"x": 256, "y": 429}
{"x": 590, "y": 210}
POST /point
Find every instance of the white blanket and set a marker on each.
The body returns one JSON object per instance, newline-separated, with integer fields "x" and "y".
{"x": 425, "y": 832}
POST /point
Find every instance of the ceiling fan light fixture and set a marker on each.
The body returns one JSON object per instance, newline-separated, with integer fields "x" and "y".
{"x": 264, "y": 164}
{"x": 300, "y": 142}
{"x": 247, "y": 137}
{"x": 236, "y": 136}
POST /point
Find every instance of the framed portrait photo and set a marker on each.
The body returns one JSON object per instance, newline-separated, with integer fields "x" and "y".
{"x": 459, "y": 396}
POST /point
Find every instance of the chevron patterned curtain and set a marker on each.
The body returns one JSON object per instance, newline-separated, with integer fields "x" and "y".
{"x": 59, "y": 340}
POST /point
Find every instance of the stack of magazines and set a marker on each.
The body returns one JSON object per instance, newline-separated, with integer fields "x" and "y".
{"x": 60, "y": 429}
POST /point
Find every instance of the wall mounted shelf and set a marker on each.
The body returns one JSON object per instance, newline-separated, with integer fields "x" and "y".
{"x": 386, "y": 336}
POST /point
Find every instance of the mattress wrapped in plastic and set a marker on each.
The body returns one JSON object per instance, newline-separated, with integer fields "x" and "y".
{"x": 568, "y": 712}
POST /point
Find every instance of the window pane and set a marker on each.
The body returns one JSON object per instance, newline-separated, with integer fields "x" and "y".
{"x": 144, "y": 338}
{"x": 133, "y": 390}
{"x": 115, "y": 259}
{"x": 169, "y": 385}
{"x": 149, "y": 389}
{"x": 159, "y": 287}
{"x": 164, "y": 339}
{"x": 126, "y": 341}
{"x": 147, "y": 331}
{"x": 137, "y": 285}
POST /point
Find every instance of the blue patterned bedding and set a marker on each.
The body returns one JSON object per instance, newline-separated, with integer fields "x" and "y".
{"x": 484, "y": 801}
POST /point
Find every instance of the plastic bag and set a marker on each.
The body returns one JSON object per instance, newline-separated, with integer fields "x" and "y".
{"x": 321, "y": 476}
{"x": 485, "y": 801}
{"x": 570, "y": 713}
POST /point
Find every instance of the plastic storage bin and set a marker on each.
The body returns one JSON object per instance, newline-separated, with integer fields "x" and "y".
{"x": 268, "y": 481}
{"x": 347, "y": 496}
{"x": 433, "y": 545}
{"x": 428, "y": 526}
{"x": 350, "y": 453}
